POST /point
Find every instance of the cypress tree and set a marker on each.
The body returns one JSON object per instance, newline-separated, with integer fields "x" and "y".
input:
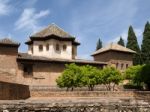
{"x": 99, "y": 44}
{"x": 132, "y": 43}
{"x": 121, "y": 42}
{"x": 145, "y": 47}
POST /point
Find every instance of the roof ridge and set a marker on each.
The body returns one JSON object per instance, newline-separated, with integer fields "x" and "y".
{"x": 113, "y": 46}
{"x": 8, "y": 40}
{"x": 52, "y": 29}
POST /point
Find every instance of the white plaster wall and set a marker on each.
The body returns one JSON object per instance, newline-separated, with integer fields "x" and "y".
{"x": 30, "y": 49}
{"x": 52, "y": 53}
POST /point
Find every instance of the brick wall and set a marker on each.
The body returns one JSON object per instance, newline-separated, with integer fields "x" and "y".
{"x": 10, "y": 91}
{"x": 120, "y": 60}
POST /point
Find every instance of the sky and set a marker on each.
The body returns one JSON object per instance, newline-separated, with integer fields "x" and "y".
{"x": 87, "y": 20}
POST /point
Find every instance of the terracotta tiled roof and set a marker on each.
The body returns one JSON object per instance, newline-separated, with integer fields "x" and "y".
{"x": 8, "y": 41}
{"x": 52, "y": 29}
{"x": 27, "y": 57}
{"x": 115, "y": 47}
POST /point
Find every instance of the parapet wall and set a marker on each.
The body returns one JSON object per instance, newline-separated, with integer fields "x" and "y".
{"x": 111, "y": 94}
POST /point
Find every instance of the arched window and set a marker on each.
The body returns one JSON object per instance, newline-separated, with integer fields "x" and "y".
{"x": 64, "y": 47}
{"x": 47, "y": 47}
{"x": 40, "y": 48}
{"x": 57, "y": 47}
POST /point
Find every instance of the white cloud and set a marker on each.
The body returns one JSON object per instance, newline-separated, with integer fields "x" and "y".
{"x": 29, "y": 19}
{"x": 5, "y": 7}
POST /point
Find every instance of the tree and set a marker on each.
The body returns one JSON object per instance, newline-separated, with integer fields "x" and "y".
{"x": 145, "y": 75}
{"x": 90, "y": 76}
{"x": 132, "y": 43}
{"x": 121, "y": 42}
{"x": 133, "y": 73}
{"x": 99, "y": 44}
{"x": 145, "y": 47}
{"x": 70, "y": 78}
{"x": 111, "y": 77}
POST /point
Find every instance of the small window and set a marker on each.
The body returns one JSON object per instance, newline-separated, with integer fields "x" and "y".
{"x": 47, "y": 47}
{"x": 40, "y": 47}
{"x": 122, "y": 66}
{"x": 64, "y": 47}
{"x": 117, "y": 65}
{"x": 127, "y": 65}
{"x": 28, "y": 70}
{"x": 57, "y": 47}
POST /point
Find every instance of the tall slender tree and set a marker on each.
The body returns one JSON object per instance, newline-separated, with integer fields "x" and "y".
{"x": 145, "y": 47}
{"x": 132, "y": 43}
{"x": 99, "y": 44}
{"x": 121, "y": 41}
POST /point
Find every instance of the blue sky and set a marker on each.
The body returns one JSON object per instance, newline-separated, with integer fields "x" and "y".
{"x": 88, "y": 20}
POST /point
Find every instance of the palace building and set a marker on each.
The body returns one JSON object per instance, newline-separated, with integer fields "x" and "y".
{"x": 48, "y": 52}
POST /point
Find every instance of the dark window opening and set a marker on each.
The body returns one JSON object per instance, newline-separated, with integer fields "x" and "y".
{"x": 57, "y": 47}
{"x": 28, "y": 69}
{"x": 127, "y": 65}
{"x": 40, "y": 47}
{"x": 117, "y": 65}
{"x": 47, "y": 47}
{"x": 122, "y": 66}
{"x": 64, "y": 47}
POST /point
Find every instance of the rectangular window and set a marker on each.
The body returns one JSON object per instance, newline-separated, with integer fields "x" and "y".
{"x": 57, "y": 47}
{"x": 40, "y": 48}
{"x": 47, "y": 47}
{"x": 117, "y": 65}
{"x": 28, "y": 69}
{"x": 127, "y": 65}
{"x": 122, "y": 66}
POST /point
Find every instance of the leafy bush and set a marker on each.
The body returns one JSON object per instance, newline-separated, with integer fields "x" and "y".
{"x": 134, "y": 74}
{"x": 78, "y": 76}
{"x": 145, "y": 75}
{"x": 90, "y": 76}
{"x": 71, "y": 77}
{"x": 111, "y": 77}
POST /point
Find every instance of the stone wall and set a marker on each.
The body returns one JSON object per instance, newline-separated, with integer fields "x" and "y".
{"x": 100, "y": 94}
{"x": 9, "y": 91}
{"x": 76, "y": 105}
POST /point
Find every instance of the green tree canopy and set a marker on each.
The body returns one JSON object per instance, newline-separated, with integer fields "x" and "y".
{"x": 146, "y": 75}
{"x": 132, "y": 43}
{"x": 110, "y": 75}
{"x": 145, "y": 47}
{"x": 99, "y": 44}
{"x": 91, "y": 76}
{"x": 133, "y": 73}
{"x": 121, "y": 42}
{"x": 71, "y": 77}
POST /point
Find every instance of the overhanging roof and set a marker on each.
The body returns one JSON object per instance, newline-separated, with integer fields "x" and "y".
{"x": 27, "y": 57}
{"x": 114, "y": 47}
{"x": 8, "y": 42}
{"x": 52, "y": 32}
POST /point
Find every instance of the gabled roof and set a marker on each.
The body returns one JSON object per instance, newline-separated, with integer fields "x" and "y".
{"x": 114, "y": 47}
{"x": 8, "y": 41}
{"x": 52, "y": 29}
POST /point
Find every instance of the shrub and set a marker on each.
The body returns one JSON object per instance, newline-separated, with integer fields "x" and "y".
{"x": 111, "y": 77}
